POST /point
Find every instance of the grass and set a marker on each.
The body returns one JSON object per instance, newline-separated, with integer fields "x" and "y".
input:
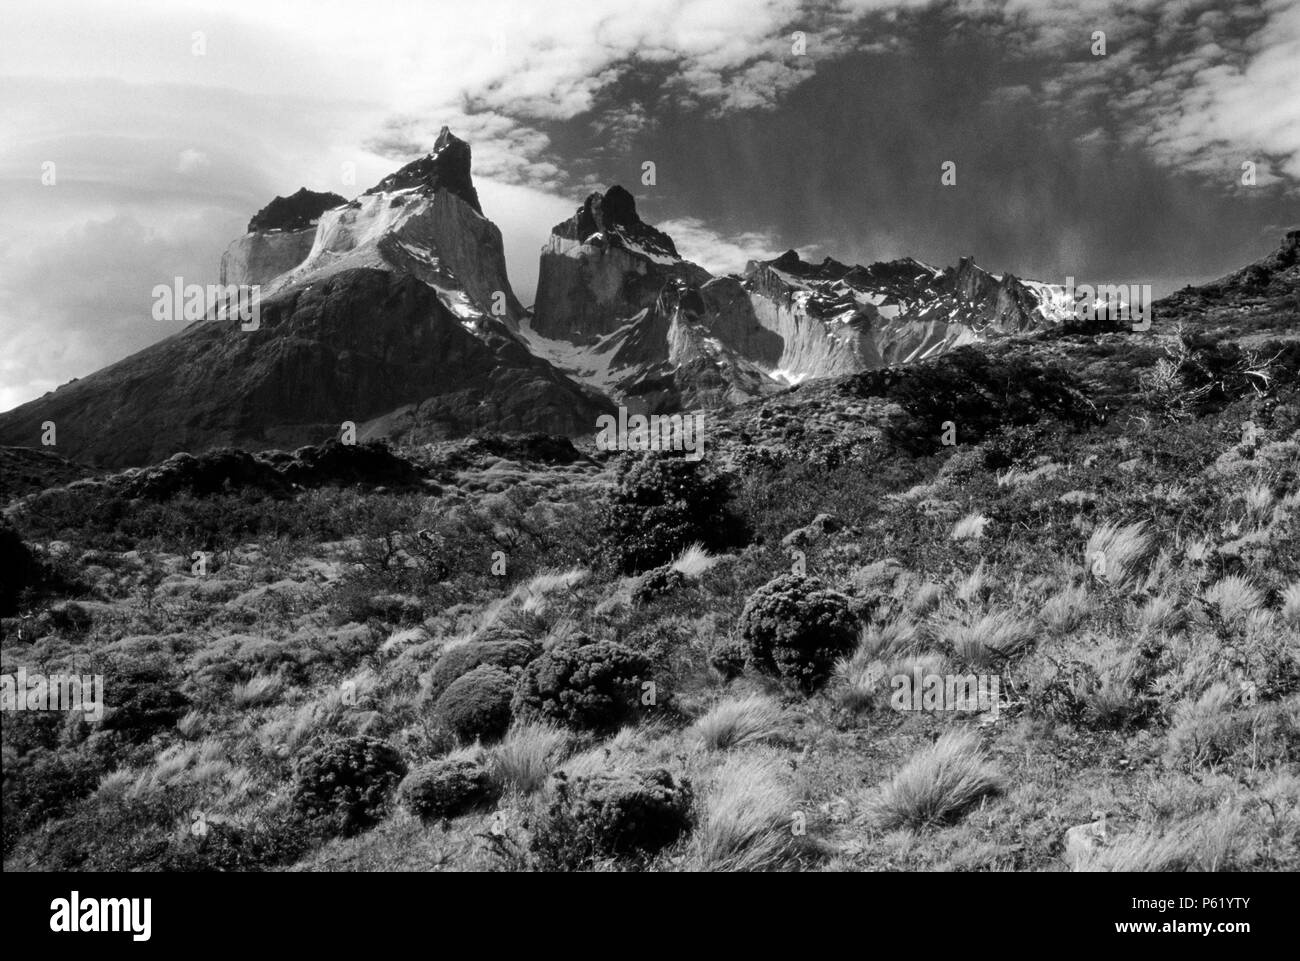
{"x": 1205, "y": 843}
{"x": 938, "y": 784}
{"x": 527, "y": 755}
{"x": 748, "y": 818}
{"x": 1114, "y": 555}
{"x": 1162, "y": 690}
{"x": 1234, "y": 597}
{"x": 738, "y": 721}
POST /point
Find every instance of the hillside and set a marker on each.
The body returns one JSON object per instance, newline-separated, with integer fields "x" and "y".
{"x": 515, "y": 652}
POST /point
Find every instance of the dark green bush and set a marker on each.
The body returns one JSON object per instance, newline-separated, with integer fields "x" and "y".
{"x": 142, "y": 701}
{"x": 981, "y": 390}
{"x": 447, "y": 788}
{"x": 656, "y": 583}
{"x": 344, "y": 783}
{"x": 459, "y": 661}
{"x": 594, "y": 685}
{"x": 612, "y": 814}
{"x": 660, "y": 505}
{"x": 796, "y": 628}
{"x": 477, "y": 704}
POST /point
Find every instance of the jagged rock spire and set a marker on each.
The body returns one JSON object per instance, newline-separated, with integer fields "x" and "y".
{"x": 445, "y": 167}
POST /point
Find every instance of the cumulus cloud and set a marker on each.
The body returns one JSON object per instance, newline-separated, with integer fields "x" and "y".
{"x": 719, "y": 252}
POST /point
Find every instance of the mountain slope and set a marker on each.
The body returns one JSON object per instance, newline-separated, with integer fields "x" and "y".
{"x": 396, "y": 317}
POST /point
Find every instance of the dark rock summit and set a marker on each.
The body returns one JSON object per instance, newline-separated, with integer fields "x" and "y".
{"x": 614, "y": 215}
{"x": 446, "y": 167}
{"x": 295, "y": 212}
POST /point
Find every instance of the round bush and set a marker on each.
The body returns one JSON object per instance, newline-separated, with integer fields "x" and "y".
{"x": 612, "y": 814}
{"x": 657, "y": 583}
{"x": 447, "y": 788}
{"x": 660, "y": 505}
{"x": 594, "y": 685}
{"x": 477, "y": 704}
{"x": 795, "y": 628}
{"x": 345, "y": 783}
{"x": 460, "y": 660}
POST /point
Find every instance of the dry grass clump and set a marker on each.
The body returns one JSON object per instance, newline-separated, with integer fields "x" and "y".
{"x": 738, "y": 721}
{"x": 1205, "y": 843}
{"x": 262, "y": 689}
{"x": 1291, "y": 605}
{"x": 1205, "y": 730}
{"x": 694, "y": 561}
{"x": 1066, "y": 610}
{"x": 527, "y": 755}
{"x": 1234, "y": 597}
{"x": 1114, "y": 555}
{"x": 970, "y": 527}
{"x": 748, "y": 818}
{"x": 937, "y": 784}
{"x": 990, "y": 641}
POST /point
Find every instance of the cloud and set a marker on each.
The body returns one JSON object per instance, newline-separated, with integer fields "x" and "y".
{"x": 192, "y": 161}
{"x": 720, "y": 252}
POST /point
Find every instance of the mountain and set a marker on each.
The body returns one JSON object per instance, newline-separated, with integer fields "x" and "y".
{"x": 620, "y": 310}
{"x": 394, "y": 311}
{"x": 279, "y": 237}
{"x": 396, "y": 316}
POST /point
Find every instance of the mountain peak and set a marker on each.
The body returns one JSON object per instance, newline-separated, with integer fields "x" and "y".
{"x": 789, "y": 260}
{"x": 295, "y": 212}
{"x": 446, "y": 166}
{"x": 613, "y": 214}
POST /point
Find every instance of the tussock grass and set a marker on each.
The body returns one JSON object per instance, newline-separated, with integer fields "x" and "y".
{"x": 748, "y": 817}
{"x": 527, "y": 755}
{"x": 938, "y": 784}
{"x": 539, "y": 595}
{"x": 927, "y": 597}
{"x": 1066, "y": 610}
{"x": 1235, "y": 597}
{"x": 869, "y": 684}
{"x": 738, "y": 721}
{"x": 1291, "y": 605}
{"x": 1205, "y": 843}
{"x": 262, "y": 689}
{"x": 694, "y": 561}
{"x": 990, "y": 641}
{"x": 1114, "y": 555}
{"x": 1161, "y": 614}
{"x": 890, "y": 639}
{"x": 1205, "y": 730}
{"x": 970, "y": 527}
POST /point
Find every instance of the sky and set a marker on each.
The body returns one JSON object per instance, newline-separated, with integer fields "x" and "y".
{"x": 1140, "y": 142}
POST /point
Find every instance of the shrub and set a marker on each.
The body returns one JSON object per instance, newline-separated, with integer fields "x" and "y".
{"x": 344, "y": 783}
{"x": 660, "y": 506}
{"x": 612, "y": 814}
{"x": 477, "y": 704}
{"x": 447, "y": 788}
{"x": 656, "y": 583}
{"x": 795, "y": 628}
{"x": 595, "y": 685}
{"x": 145, "y": 701}
{"x": 727, "y": 657}
{"x": 460, "y": 660}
